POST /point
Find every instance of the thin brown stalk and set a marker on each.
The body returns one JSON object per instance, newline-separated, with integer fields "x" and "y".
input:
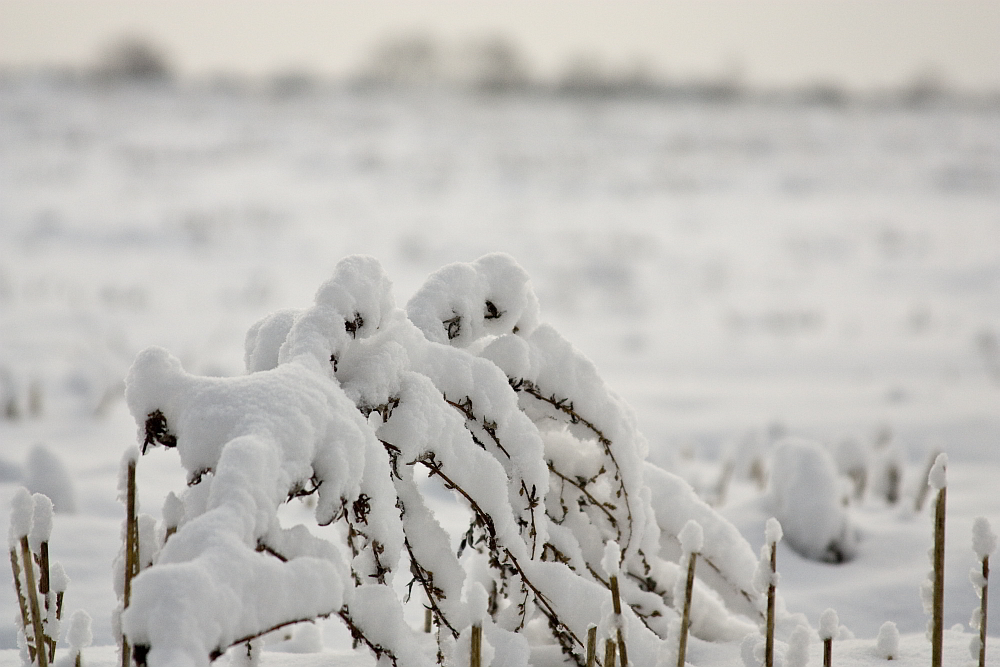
{"x": 36, "y": 613}
{"x": 15, "y": 566}
{"x": 616, "y": 601}
{"x": 828, "y": 652}
{"x": 609, "y": 653}
{"x": 937, "y": 627}
{"x": 982, "y": 611}
{"x": 769, "y": 641}
{"x": 131, "y": 552}
{"x": 428, "y": 618}
{"x": 686, "y": 617}
{"x": 591, "y": 645}
{"x": 476, "y": 649}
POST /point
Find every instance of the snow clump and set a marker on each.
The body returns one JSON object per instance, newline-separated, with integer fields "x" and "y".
{"x": 887, "y": 642}
{"x": 805, "y": 497}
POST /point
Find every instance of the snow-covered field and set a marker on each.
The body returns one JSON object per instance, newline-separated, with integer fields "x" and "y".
{"x": 738, "y": 272}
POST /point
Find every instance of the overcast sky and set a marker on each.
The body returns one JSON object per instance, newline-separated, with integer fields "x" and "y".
{"x": 860, "y": 43}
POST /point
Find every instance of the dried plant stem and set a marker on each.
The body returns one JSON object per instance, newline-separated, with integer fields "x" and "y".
{"x": 22, "y": 602}
{"x": 609, "y": 653}
{"x": 428, "y": 618}
{"x": 828, "y": 652}
{"x": 591, "y": 645}
{"x": 686, "y": 618}
{"x": 476, "y": 646}
{"x": 131, "y": 552}
{"x": 769, "y": 641}
{"x": 36, "y": 613}
{"x": 44, "y": 589}
{"x": 616, "y": 601}
{"x": 982, "y": 611}
{"x": 937, "y": 628}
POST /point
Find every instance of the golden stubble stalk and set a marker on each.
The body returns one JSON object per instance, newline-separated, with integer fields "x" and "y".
{"x": 15, "y": 567}
{"x": 769, "y": 642}
{"x": 937, "y": 627}
{"x": 983, "y": 604}
{"x": 616, "y": 600}
{"x": 131, "y": 552}
{"x": 36, "y": 613}
{"x": 686, "y": 617}
{"x": 476, "y": 646}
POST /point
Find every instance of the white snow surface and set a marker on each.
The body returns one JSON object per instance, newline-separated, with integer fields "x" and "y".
{"x": 735, "y": 272}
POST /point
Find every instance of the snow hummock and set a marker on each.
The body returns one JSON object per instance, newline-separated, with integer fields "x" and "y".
{"x": 46, "y": 473}
{"x": 805, "y": 495}
{"x": 887, "y": 642}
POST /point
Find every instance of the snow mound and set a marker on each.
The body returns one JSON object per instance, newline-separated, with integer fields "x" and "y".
{"x": 805, "y": 496}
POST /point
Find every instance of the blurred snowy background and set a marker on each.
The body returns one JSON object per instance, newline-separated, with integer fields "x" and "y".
{"x": 742, "y": 261}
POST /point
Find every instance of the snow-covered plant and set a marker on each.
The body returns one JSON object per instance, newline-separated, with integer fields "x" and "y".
{"x": 806, "y": 498}
{"x": 887, "y": 641}
{"x": 344, "y": 402}
{"x": 984, "y": 543}
{"x": 38, "y": 583}
{"x": 932, "y": 591}
{"x": 829, "y": 629}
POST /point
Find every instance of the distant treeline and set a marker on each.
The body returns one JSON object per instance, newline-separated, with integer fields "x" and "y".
{"x": 496, "y": 65}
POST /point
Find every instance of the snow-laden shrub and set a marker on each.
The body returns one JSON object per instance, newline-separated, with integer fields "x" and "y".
{"x": 805, "y": 497}
{"x": 343, "y": 402}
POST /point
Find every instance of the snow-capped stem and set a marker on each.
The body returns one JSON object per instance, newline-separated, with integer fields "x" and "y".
{"x": 983, "y": 604}
{"x": 591, "y": 645}
{"x": 609, "y": 653}
{"x": 476, "y": 646}
{"x": 828, "y": 652}
{"x": 41, "y": 655}
{"x": 937, "y": 629}
{"x": 686, "y": 617}
{"x": 22, "y": 602}
{"x": 769, "y": 645}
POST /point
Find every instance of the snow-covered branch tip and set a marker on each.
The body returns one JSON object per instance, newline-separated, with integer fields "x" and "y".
{"x": 342, "y": 403}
